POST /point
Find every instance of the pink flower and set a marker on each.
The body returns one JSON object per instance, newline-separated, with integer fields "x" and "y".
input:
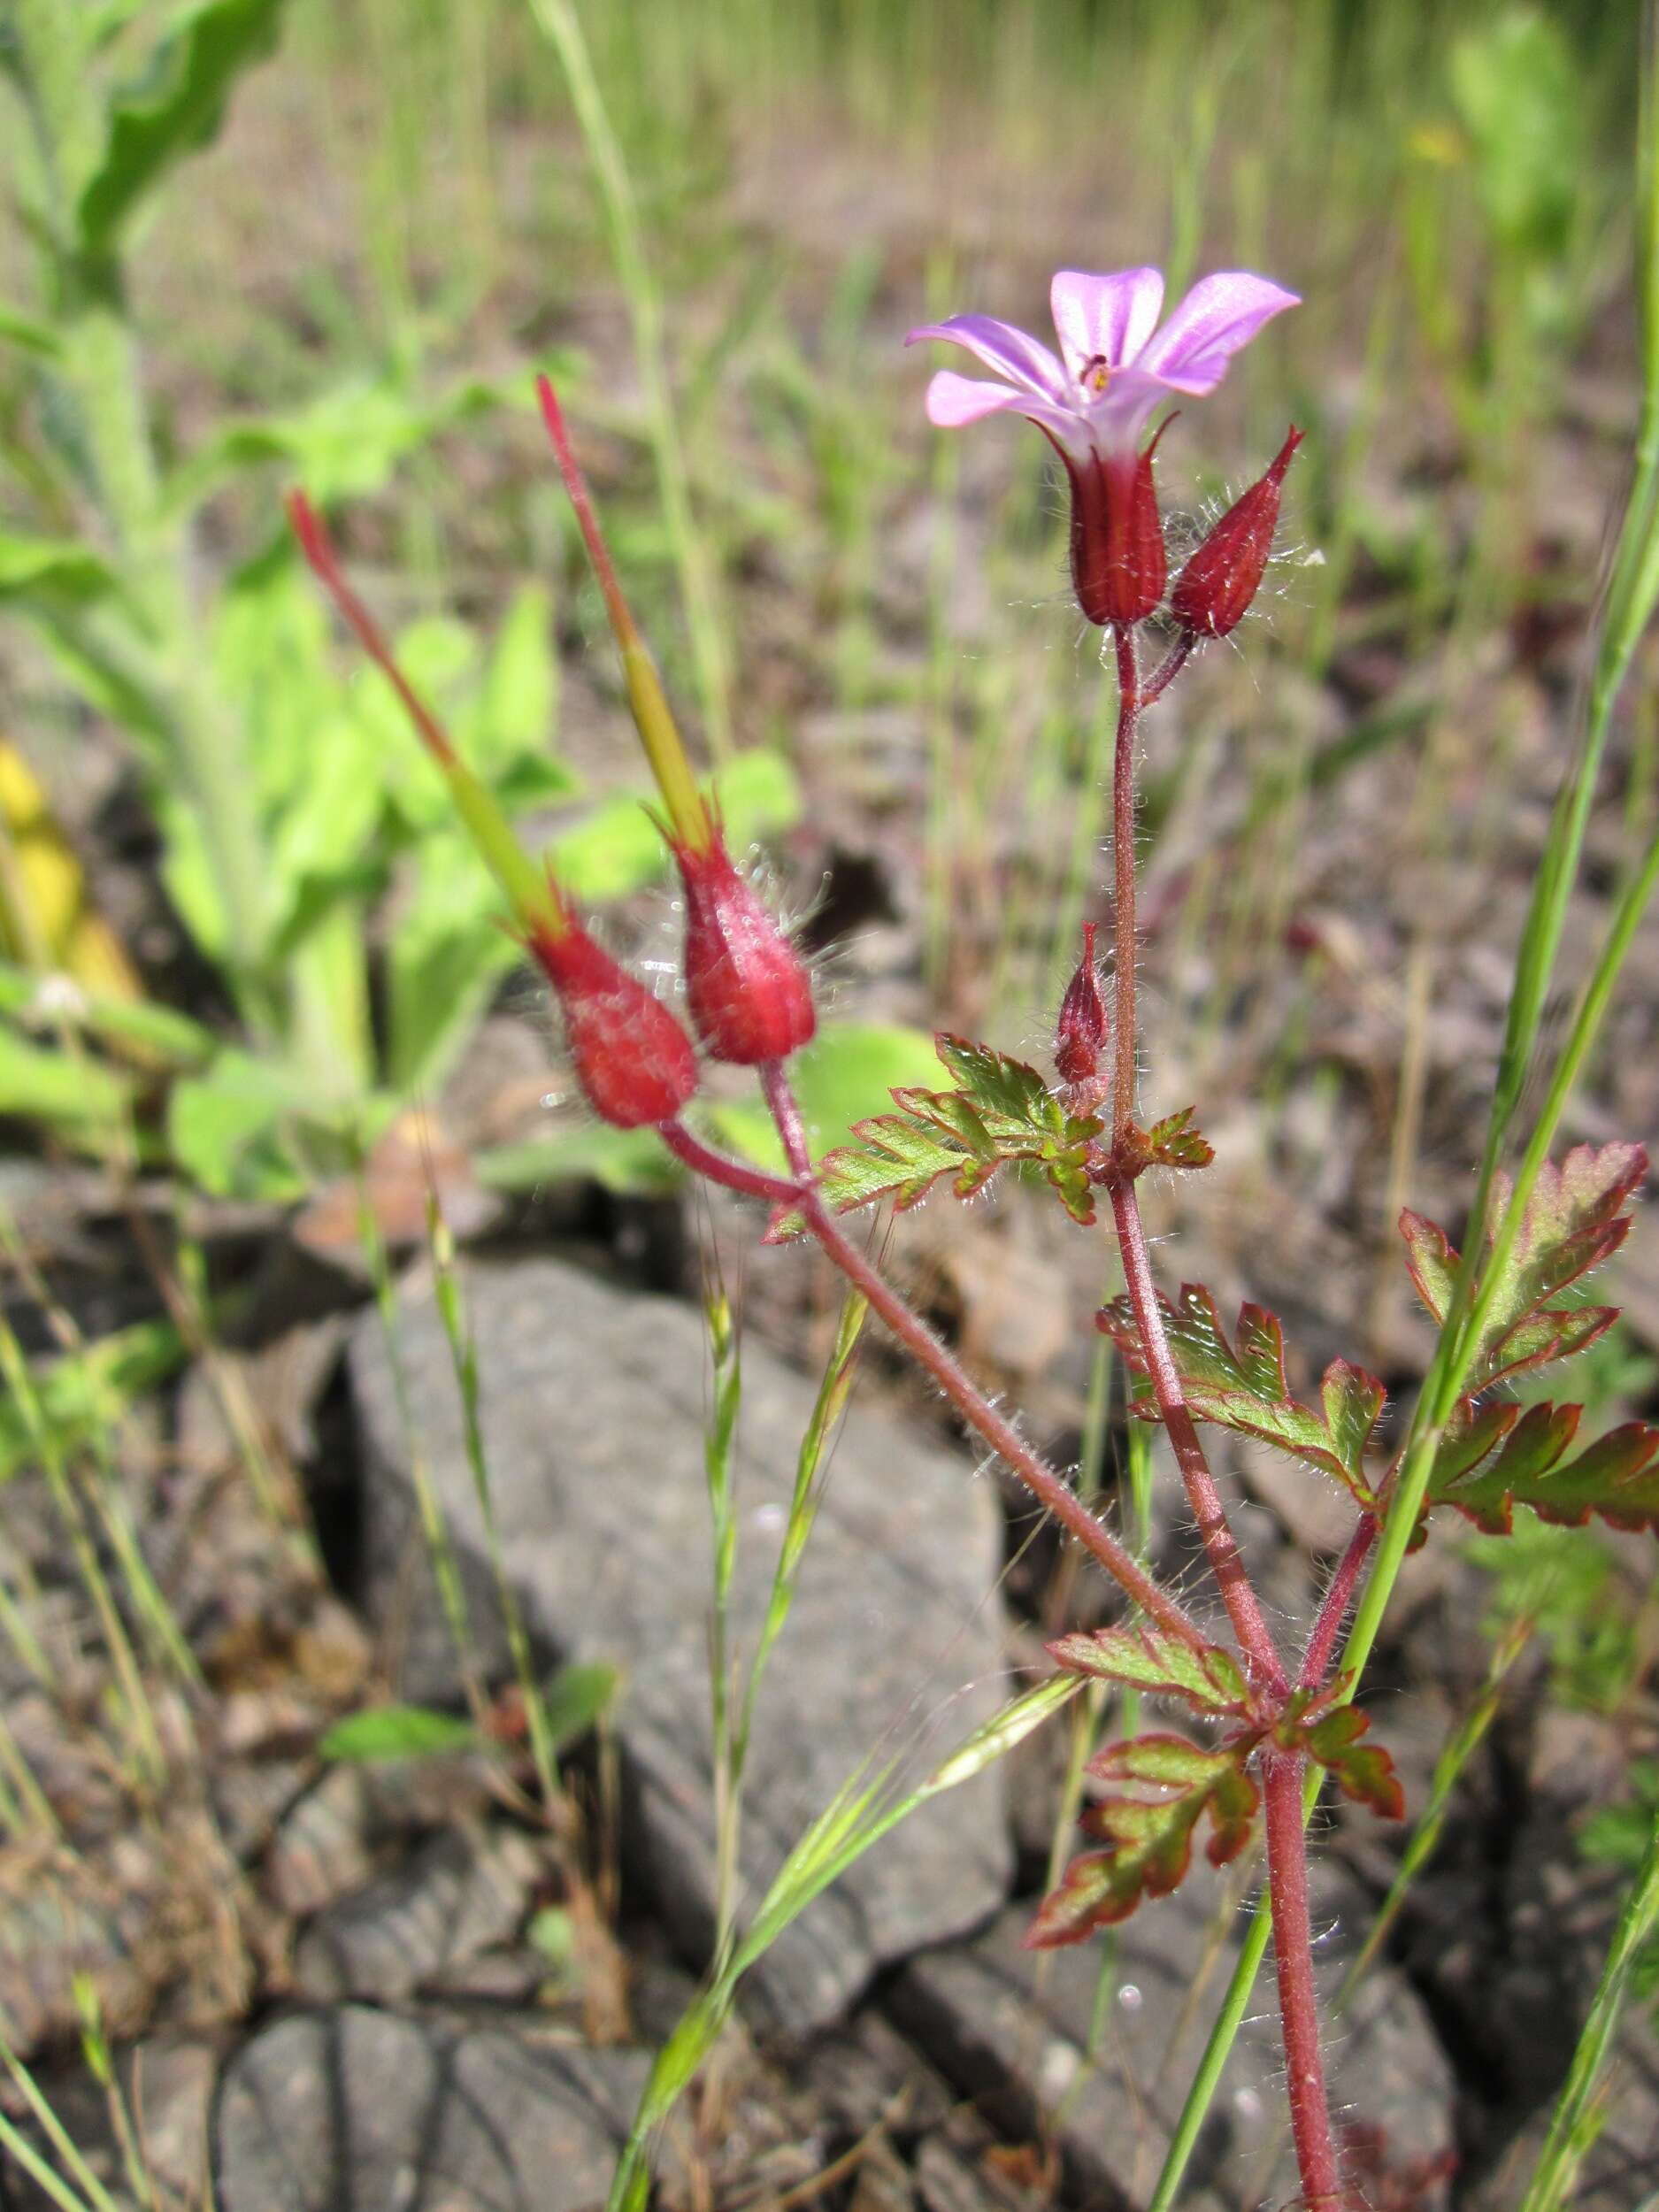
{"x": 1116, "y": 364}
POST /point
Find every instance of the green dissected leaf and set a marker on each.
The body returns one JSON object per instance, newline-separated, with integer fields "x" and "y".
{"x": 1245, "y": 1388}
{"x": 1001, "y": 1110}
{"x": 1174, "y": 1142}
{"x": 1574, "y": 1220}
{"x": 176, "y": 109}
{"x": 59, "y": 569}
{"x": 1363, "y": 1771}
{"x": 1170, "y": 1785}
{"x": 1151, "y": 1659}
{"x": 395, "y": 1731}
{"x": 576, "y": 1698}
{"x": 78, "y": 1096}
{"x": 1616, "y": 1477}
{"x": 84, "y": 1394}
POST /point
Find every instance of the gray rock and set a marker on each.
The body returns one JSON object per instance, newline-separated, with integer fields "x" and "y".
{"x": 1012, "y": 2029}
{"x": 595, "y": 1403}
{"x": 361, "y": 2111}
{"x": 457, "y": 1896}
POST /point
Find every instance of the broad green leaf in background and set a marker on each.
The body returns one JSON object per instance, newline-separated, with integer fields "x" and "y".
{"x": 79, "y": 1097}
{"x": 576, "y": 1698}
{"x": 848, "y": 1071}
{"x": 244, "y": 1128}
{"x": 446, "y": 956}
{"x": 28, "y": 333}
{"x": 1517, "y": 96}
{"x": 51, "y": 568}
{"x": 630, "y": 1163}
{"x": 395, "y": 1731}
{"x": 344, "y": 444}
{"x": 175, "y": 109}
{"x": 618, "y": 849}
{"x": 41, "y": 1002}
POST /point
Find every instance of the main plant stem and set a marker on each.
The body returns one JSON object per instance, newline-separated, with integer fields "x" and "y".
{"x": 1048, "y": 1487}
{"x": 1298, "y": 2000}
{"x": 1282, "y": 1774}
{"x": 1220, "y": 1546}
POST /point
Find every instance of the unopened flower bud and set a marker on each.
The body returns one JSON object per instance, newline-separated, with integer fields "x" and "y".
{"x": 751, "y": 999}
{"x": 1214, "y": 591}
{"x": 634, "y": 1061}
{"x": 1080, "y": 1031}
{"x": 1118, "y": 562}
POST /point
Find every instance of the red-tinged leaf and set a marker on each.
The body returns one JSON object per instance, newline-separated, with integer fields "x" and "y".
{"x": 1243, "y": 1386}
{"x": 1149, "y": 1838}
{"x": 1431, "y": 1262}
{"x": 1363, "y": 1770}
{"x": 1615, "y": 1478}
{"x": 1573, "y": 1221}
{"x": 1537, "y": 1339}
{"x": 1174, "y": 1142}
{"x": 999, "y": 1112}
{"x": 1155, "y": 1762}
{"x": 1210, "y": 1680}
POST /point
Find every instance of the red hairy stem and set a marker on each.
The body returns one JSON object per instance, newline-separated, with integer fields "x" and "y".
{"x": 1048, "y": 1488}
{"x": 1221, "y": 1548}
{"x": 1244, "y": 1611}
{"x": 1165, "y": 675}
{"x": 1287, "y": 1845}
{"x": 716, "y": 1168}
{"x": 1298, "y": 2000}
{"x": 1327, "y": 1627}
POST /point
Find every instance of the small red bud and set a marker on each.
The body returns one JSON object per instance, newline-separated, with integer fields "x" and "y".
{"x": 1118, "y": 562}
{"x": 1213, "y": 590}
{"x": 1081, "y": 1032}
{"x": 634, "y": 1061}
{"x": 751, "y": 999}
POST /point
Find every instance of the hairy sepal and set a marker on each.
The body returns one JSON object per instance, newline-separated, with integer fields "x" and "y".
{"x": 1242, "y": 1385}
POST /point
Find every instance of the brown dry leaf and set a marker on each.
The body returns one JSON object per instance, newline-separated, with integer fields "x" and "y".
{"x": 415, "y": 1157}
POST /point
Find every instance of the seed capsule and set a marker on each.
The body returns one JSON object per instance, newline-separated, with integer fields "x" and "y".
{"x": 1213, "y": 592}
{"x": 634, "y": 1061}
{"x": 750, "y": 996}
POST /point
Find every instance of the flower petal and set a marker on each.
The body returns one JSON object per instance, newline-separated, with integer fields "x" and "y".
{"x": 1011, "y": 353}
{"x": 954, "y": 400}
{"x": 1219, "y": 316}
{"x": 1104, "y": 317}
